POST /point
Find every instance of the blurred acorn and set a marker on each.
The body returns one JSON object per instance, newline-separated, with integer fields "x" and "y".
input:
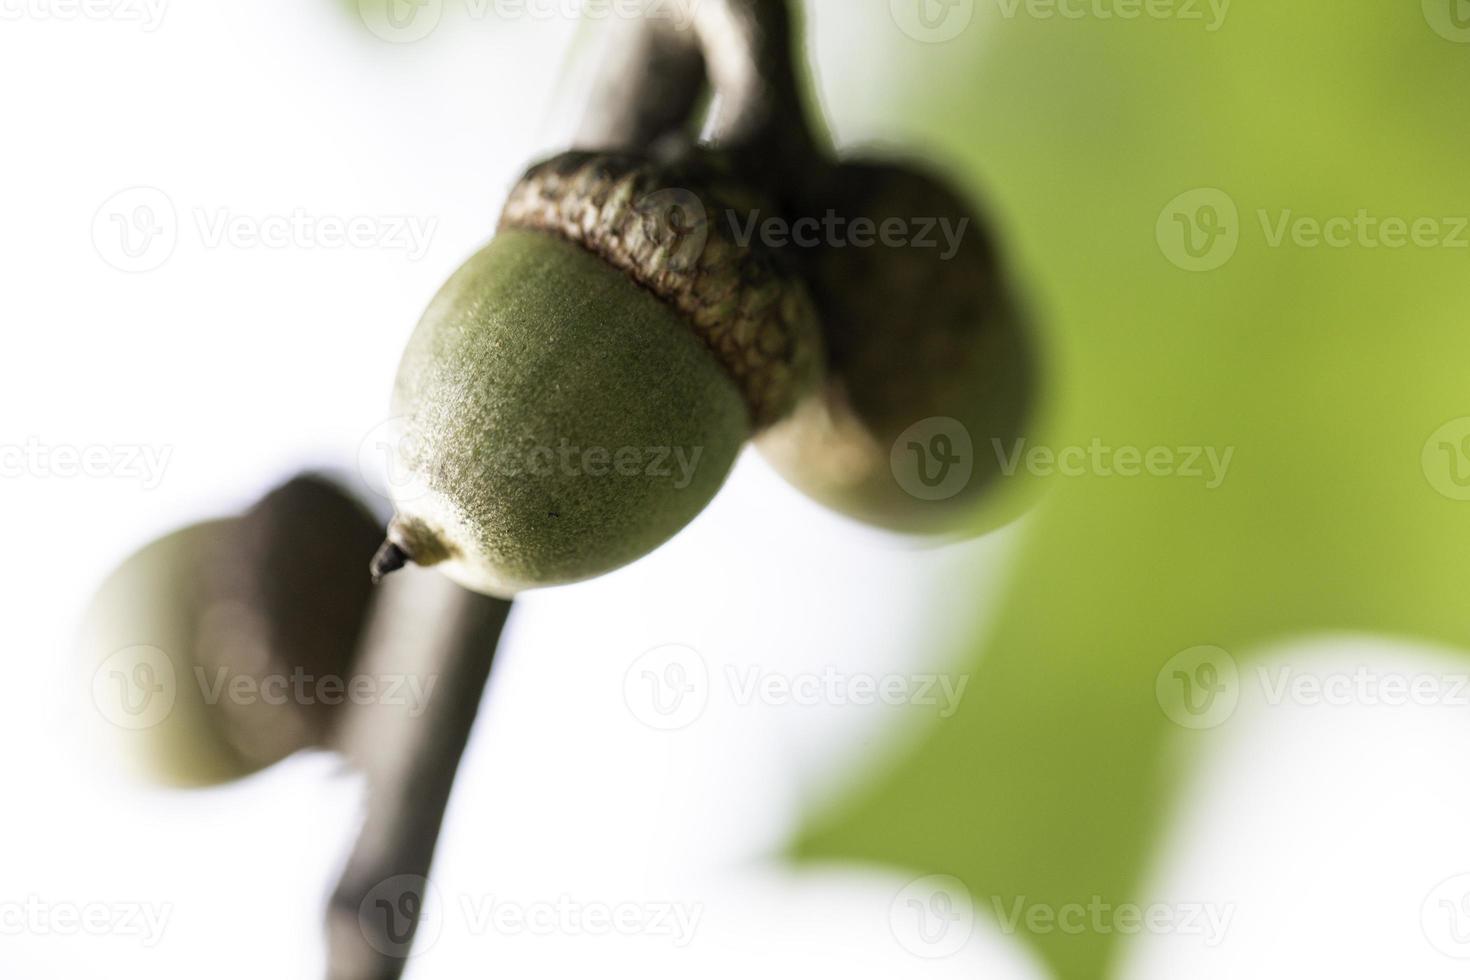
{"x": 226, "y": 646}
{"x": 929, "y": 358}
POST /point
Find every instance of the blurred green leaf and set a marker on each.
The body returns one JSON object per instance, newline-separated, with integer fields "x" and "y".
{"x": 1326, "y": 369}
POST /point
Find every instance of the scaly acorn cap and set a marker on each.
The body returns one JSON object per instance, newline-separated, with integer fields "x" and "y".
{"x": 672, "y": 227}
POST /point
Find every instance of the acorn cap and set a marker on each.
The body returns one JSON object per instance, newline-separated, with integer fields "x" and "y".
{"x": 667, "y": 226}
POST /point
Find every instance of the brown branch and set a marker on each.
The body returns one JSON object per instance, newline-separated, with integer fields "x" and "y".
{"x": 647, "y": 89}
{"x": 427, "y": 630}
{"x": 760, "y": 118}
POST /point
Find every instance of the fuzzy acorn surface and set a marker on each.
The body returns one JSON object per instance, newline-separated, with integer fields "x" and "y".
{"x": 537, "y": 346}
{"x": 195, "y": 641}
{"x": 579, "y": 390}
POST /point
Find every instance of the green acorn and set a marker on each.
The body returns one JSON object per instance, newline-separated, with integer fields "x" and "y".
{"x": 578, "y": 391}
{"x": 929, "y": 358}
{"x": 201, "y": 643}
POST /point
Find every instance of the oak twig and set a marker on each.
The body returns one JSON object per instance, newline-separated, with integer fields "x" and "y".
{"x": 424, "y": 628}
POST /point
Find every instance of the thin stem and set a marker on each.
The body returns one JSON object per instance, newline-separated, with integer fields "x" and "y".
{"x": 750, "y": 49}
{"x": 660, "y": 67}
{"x": 427, "y": 631}
{"x": 390, "y": 558}
{"x": 647, "y": 89}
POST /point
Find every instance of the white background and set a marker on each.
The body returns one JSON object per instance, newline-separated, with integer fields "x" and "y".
{"x": 1318, "y": 825}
